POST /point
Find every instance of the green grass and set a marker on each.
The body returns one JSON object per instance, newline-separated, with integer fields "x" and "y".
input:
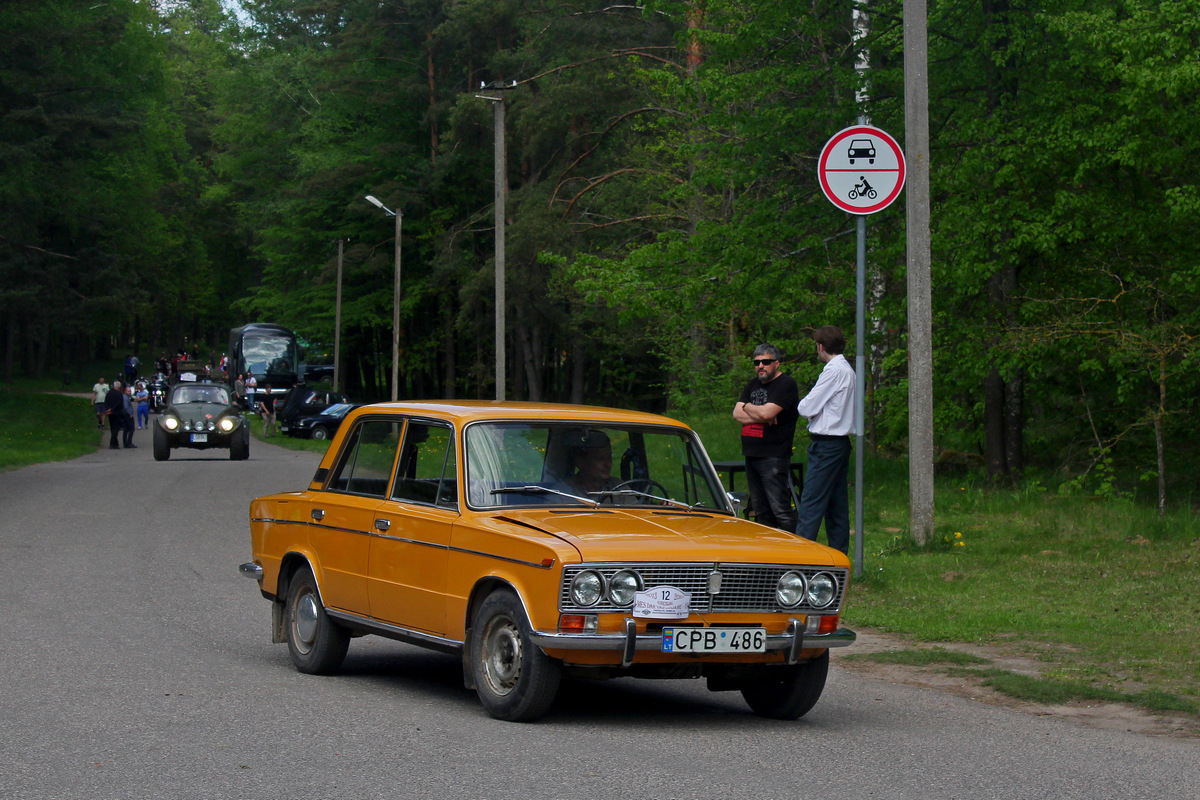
{"x": 42, "y": 427}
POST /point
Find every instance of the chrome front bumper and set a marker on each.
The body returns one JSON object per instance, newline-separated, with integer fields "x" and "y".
{"x": 792, "y": 640}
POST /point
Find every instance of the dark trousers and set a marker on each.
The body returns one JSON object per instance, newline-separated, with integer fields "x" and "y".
{"x": 770, "y": 494}
{"x": 127, "y": 421}
{"x": 826, "y": 492}
{"x": 115, "y": 426}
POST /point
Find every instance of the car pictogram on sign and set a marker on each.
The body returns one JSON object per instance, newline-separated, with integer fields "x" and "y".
{"x": 862, "y": 148}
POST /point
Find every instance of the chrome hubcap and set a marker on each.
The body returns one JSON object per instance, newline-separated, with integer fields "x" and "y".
{"x": 305, "y": 620}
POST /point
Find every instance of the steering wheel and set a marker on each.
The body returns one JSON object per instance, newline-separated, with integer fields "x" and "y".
{"x": 642, "y": 485}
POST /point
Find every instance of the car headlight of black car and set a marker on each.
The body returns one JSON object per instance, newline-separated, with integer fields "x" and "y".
{"x": 171, "y": 423}
{"x": 226, "y": 424}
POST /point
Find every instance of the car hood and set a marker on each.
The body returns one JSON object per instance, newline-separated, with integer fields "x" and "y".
{"x": 195, "y": 411}
{"x": 662, "y": 534}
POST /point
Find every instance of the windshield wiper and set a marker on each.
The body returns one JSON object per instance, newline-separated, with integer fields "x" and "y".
{"x": 537, "y": 490}
{"x": 635, "y": 493}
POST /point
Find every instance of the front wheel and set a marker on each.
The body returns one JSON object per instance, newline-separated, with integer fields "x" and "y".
{"x": 162, "y": 448}
{"x": 316, "y": 643}
{"x": 320, "y": 432}
{"x": 787, "y": 692}
{"x": 514, "y": 679}
{"x": 239, "y": 445}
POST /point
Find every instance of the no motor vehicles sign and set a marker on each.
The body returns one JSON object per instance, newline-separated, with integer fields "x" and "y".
{"x": 861, "y": 169}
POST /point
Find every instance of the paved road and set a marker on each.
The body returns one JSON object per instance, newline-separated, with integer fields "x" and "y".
{"x": 136, "y": 664}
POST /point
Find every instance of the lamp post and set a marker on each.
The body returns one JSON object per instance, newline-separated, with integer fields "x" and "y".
{"x": 399, "y": 215}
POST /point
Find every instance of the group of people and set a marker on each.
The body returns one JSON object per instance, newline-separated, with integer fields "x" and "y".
{"x": 122, "y": 406}
{"x": 245, "y": 389}
{"x": 769, "y": 409}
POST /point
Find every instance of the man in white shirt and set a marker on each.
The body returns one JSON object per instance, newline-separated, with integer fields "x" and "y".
{"x": 829, "y": 409}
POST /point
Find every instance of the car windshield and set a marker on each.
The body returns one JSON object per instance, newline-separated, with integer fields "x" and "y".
{"x": 588, "y": 464}
{"x": 200, "y": 394}
{"x": 338, "y": 410}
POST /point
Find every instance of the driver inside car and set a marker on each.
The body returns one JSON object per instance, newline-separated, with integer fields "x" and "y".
{"x": 591, "y": 459}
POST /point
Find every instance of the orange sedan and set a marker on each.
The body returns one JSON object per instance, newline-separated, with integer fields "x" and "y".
{"x": 537, "y": 541}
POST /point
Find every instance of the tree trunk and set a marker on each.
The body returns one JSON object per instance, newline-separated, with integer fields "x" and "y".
{"x": 993, "y": 426}
{"x": 1014, "y": 426}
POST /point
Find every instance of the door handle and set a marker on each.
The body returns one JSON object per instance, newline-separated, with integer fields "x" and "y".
{"x": 382, "y": 525}
{"x": 317, "y": 514}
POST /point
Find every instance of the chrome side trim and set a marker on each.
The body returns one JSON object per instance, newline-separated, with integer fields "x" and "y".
{"x": 396, "y": 632}
{"x": 374, "y": 534}
{"x": 251, "y": 570}
{"x": 842, "y": 637}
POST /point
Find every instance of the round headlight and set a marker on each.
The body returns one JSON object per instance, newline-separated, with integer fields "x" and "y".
{"x": 226, "y": 424}
{"x": 789, "y": 591}
{"x": 623, "y": 586}
{"x": 212, "y": 426}
{"x": 822, "y": 589}
{"x": 587, "y": 588}
{"x": 171, "y": 424}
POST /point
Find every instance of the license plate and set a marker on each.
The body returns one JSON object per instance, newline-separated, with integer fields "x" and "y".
{"x": 199, "y": 437}
{"x": 714, "y": 640}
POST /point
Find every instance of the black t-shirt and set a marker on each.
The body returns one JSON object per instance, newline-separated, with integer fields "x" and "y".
{"x": 771, "y": 441}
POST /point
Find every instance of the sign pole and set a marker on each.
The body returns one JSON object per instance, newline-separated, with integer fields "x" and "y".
{"x": 861, "y": 171}
{"x": 860, "y": 389}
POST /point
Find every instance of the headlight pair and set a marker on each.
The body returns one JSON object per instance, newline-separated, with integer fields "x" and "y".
{"x": 589, "y": 587}
{"x": 819, "y": 591}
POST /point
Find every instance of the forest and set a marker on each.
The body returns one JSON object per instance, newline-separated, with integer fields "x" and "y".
{"x": 172, "y": 168}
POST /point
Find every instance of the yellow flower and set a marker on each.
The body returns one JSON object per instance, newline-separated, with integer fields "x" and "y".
{"x": 960, "y": 544}
{"x": 957, "y": 535}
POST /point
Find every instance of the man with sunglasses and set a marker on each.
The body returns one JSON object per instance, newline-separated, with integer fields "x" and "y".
{"x": 767, "y": 411}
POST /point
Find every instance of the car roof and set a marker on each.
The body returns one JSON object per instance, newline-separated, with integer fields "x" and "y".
{"x": 466, "y": 411}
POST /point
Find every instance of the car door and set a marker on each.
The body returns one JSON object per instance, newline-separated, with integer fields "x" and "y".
{"x": 343, "y": 517}
{"x": 410, "y": 549}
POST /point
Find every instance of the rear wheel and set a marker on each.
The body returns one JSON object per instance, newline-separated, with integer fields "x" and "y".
{"x": 316, "y": 643}
{"x": 320, "y": 432}
{"x": 515, "y": 680}
{"x": 162, "y": 448}
{"x": 787, "y": 692}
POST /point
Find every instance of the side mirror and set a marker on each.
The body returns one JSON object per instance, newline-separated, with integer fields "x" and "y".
{"x": 739, "y": 500}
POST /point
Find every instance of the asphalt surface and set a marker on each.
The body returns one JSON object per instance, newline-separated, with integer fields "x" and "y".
{"x": 136, "y": 663}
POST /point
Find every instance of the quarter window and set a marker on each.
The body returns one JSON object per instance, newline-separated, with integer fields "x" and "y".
{"x": 367, "y": 461}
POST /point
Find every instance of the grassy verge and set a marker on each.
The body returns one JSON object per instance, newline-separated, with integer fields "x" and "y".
{"x": 45, "y": 427}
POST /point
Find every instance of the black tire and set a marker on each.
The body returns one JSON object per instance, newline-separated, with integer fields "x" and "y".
{"x": 239, "y": 445}
{"x": 162, "y": 448}
{"x": 514, "y": 679}
{"x": 787, "y": 692}
{"x": 316, "y": 643}
{"x": 320, "y": 432}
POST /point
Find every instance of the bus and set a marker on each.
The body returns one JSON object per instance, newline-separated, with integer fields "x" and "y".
{"x": 271, "y": 353}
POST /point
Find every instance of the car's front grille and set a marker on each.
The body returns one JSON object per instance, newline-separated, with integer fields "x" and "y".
{"x": 743, "y": 587}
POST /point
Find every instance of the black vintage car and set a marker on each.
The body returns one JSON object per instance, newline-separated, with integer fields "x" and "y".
{"x": 200, "y": 415}
{"x": 321, "y": 425}
{"x": 304, "y": 401}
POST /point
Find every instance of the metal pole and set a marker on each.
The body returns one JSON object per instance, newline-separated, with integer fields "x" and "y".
{"x": 860, "y": 390}
{"x": 396, "y": 316}
{"x": 337, "y": 323}
{"x": 501, "y": 175}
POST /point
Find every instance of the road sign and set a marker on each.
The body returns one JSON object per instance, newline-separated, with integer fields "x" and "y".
{"x": 861, "y": 169}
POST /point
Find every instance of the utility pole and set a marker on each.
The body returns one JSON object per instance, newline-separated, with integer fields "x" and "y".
{"x": 337, "y": 323}
{"x": 399, "y": 216}
{"x": 920, "y": 314}
{"x": 501, "y": 180}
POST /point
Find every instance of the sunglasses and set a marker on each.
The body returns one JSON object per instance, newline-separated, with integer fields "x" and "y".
{"x": 758, "y": 362}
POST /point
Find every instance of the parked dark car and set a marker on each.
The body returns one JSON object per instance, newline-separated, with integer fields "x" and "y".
{"x": 304, "y": 400}
{"x": 321, "y": 425}
{"x": 199, "y": 416}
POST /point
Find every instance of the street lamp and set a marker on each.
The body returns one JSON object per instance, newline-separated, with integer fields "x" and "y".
{"x": 399, "y": 215}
